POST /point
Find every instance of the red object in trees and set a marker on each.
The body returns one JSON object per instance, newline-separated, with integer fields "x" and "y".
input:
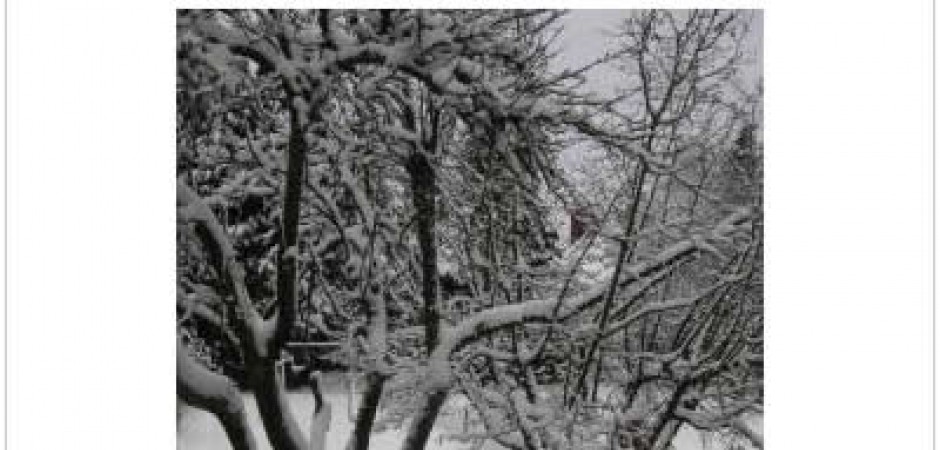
{"x": 580, "y": 219}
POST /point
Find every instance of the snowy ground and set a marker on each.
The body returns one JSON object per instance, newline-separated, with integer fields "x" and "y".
{"x": 197, "y": 430}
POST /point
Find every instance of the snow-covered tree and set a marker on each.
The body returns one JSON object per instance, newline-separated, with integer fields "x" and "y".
{"x": 385, "y": 180}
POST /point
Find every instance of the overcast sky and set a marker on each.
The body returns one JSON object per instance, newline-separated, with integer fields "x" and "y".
{"x": 587, "y": 35}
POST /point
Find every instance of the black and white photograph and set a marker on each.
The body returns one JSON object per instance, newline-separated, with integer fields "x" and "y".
{"x": 440, "y": 225}
{"x": 441, "y": 229}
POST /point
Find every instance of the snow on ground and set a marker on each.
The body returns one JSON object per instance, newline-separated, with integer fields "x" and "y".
{"x": 198, "y": 430}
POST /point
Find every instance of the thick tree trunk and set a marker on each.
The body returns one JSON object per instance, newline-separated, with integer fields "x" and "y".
{"x": 422, "y": 186}
{"x": 207, "y": 390}
{"x": 288, "y": 251}
{"x": 274, "y": 406}
{"x": 262, "y": 339}
{"x": 365, "y": 414}
{"x": 420, "y": 429}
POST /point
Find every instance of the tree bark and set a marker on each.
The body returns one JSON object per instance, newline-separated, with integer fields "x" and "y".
{"x": 274, "y": 406}
{"x": 365, "y": 414}
{"x": 422, "y": 187}
{"x": 420, "y": 429}
{"x": 290, "y": 218}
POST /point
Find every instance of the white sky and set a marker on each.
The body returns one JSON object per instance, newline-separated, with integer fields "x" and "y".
{"x": 587, "y": 35}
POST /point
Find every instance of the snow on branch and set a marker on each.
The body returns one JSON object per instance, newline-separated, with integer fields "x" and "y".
{"x": 204, "y": 389}
{"x": 498, "y": 317}
{"x": 190, "y": 207}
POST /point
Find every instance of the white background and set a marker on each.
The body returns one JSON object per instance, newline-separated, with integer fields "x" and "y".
{"x": 90, "y": 222}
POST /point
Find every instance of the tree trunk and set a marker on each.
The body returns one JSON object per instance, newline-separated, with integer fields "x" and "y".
{"x": 420, "y": 429}
{"x": 422, "y": 187}
{"x": 274, "y": 406}
{"x": 290, "y": 218}
{"x": 365, "y": 414}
